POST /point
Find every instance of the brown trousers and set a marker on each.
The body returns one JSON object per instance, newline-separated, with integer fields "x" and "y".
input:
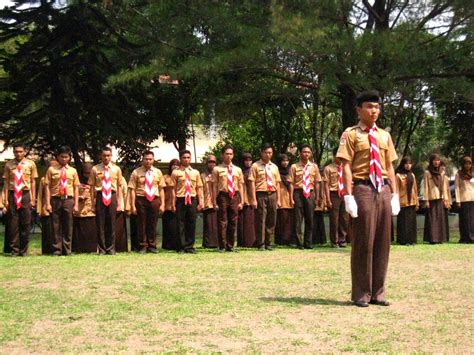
{"x": 134, "y": 243}
{"x": 19, "y": 223}
{"x": 319, "y": 229}
{"x": 121, "y": 236}
{"x": 209, "y": 229}
{"x": 105, "y": 223}
{"x": 227, "y": 216}
{"x": 370, "y": 243}
{"x": 303, "y": 209}
{"x": 246, "y": 228}
{"x": 338, "y": 220}
{"x": 62, "y": 221}
{"x": 265, "y": 218}
{"x": 147, "y": 212}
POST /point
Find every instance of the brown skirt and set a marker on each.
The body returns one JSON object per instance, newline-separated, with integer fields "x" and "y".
{"x": 319, "y": 229}
{"x": 84, "y": 235}
{"x": 134, "y": 244}
{"x": 435, "y": 223}
{"x": 209, "y": 233}
{"x": 121, "y": 244}
{"x": 47, "y": 235}
{"x": 406, "y": 225}
{"x": 246, "y": 236}
{"x": 284, "y": 226}
{"x": 466, "y": 222}
{"x": 170, "y": 231}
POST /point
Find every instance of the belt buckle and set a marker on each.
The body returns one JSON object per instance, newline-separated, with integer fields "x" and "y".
{"x": 64, "y": 197}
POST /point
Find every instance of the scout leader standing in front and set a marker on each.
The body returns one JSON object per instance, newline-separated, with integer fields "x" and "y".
{"x": 62, "y": 200}
{"x": 367, "y": 153}
{"x": 227, "y": 183}
{"x": 105, "y": 181}
{"x": 147, "y": 200}
{"x": 19, "y": 194}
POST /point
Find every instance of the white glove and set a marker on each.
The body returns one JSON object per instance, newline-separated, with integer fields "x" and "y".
{"x": 351, "y": 205}
{"x": 395, "y": 202}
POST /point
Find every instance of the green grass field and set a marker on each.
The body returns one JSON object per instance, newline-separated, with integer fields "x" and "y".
{"x": 286, "y": 300}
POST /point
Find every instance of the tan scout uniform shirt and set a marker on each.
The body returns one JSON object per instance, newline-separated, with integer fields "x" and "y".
{"x": 257, "y": 174}
{"x": 285, "y": 198}
{"x": 320, "y": 199}
{"x": 355, "y": 148}
{"x": 296, "y": 175}
{"x": 464, "y": 189}
{"x": 97, "y": 175}
{"x": 29, "y": 172}
{"x": 331, "y": 177}
{"x": 53, "y": 178}
{"x": 137, "y": 181}
{"x": 403, "y": 193}
{"x": 168, "y": 193}
{"x": 431, "y": 191}
{"x": 245, "y": 192}
{"x": 219, "y": 175}
{"x": 41, "y": 202}
{"x": 178, "y": 180}
{"x": 85, "y": 202}
{"x": 207, "y": 189}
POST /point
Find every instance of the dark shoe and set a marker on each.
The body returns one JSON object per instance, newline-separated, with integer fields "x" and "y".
{"x": 342, "y": 245}
{"x": 180, "y": 251}
{"x": 300, "y": 247}
{"x": 334, "y": 245}
{"x": 14, "y": 255}
{"x": 232, "y": 250}
{"x": 190, "y": 251}
{"x": 361, "y": 304}
{"x": 57, "y": 253}
{"x": 221, "y": 250}
{"x": 383, "y": 303}
{"x": 308, "y": 247}
{"x": 142, "y": 251}
{"x": 269, "y": 247}
{"x": 153, "y": 250}
{"x": 261, "y": 249}
{"x": 110, "y": 253}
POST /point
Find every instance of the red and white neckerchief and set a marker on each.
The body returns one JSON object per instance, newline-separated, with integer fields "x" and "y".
{"x": 375, "y": 173}
{"x": 306, "y": 181}
{"x": 63, "y": 182}
{"x": 230, "y": 182}
{"x": 268, "y": 174}
{"x": 340, "y": 182}
{"x": 187, "y": 188}
{"x": 106, "y": 187}
{"x": 150, "y": 189}
{"x": 19, "y": 183}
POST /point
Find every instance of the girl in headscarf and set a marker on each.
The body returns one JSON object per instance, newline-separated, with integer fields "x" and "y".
{"x": 246, "y": 224}
{"x": 464, "y": 189}
{"x": 437, "y": 197}
{"x": 408, "y": 194}
{"x": 169, "y": 226}
{"x": 285, "y": 219}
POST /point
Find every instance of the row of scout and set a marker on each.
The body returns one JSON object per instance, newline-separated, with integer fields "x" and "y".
{"x": 225, "y": 206}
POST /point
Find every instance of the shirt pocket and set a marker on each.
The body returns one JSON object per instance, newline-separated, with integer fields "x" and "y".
{"x": 362, "y": 143}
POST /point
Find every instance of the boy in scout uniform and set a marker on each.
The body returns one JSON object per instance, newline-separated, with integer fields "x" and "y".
{"x": 209, "y": 233}
{"x": 147, "y": 200}
{"x": 338, "y": 217}
{"x": 304, "y": 178}
{"x": 106, "y": 201}
{"x": 367, "y": 153}
{"x": 62, "y": 200}
{"x": 187, "y": 200}
{"x": 227, "y": 186}
{"x": 265, "y": 180}
{"x": 19, "y": 197}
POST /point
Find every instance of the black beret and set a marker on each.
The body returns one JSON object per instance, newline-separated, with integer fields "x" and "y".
{"x": 367, "y": 96}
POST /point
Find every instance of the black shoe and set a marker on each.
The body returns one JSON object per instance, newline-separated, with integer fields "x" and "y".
{"x": 232, "y": 250}
{"x": 383, "y": 303}
{"x": 110, "y": 253}
{"x": 153, "y": 250}
{"x": 308, "y": 247}
{"x": 180, "y": 251}
{"x": 262, "y": 248}
{"x": 269, "y": 247}
{"x": 300, "y": 247}
{"x": 361, "y": 304}
{"x": 142, "y": 251}
{"x": 334, "y": 245}
{"x": 221, "y": 250}
{"x": 190, "y": 251}
{"x": 342, "y": 245}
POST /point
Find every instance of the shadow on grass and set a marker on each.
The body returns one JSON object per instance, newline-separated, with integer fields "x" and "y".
{"x": 307, "y": 301}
